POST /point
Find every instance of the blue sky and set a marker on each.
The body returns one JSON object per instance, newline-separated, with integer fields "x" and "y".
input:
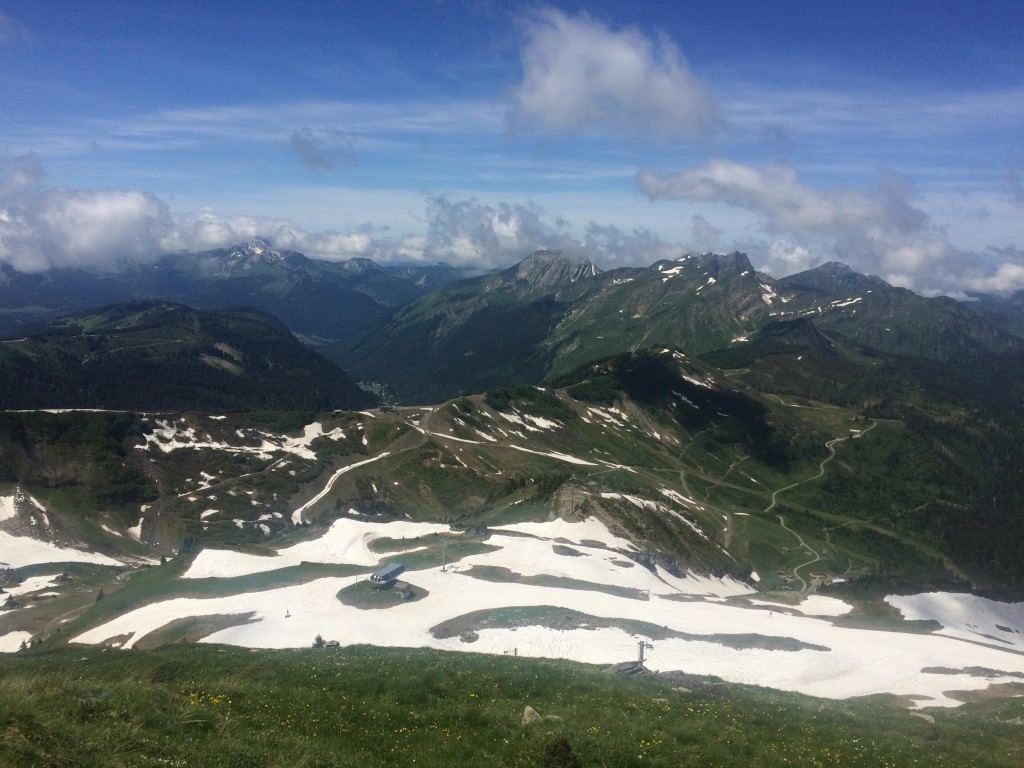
{"x": 886, "y": 135}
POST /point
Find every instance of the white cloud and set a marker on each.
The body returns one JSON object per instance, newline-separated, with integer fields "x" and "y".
{"x": 54, "y": 227}
{"x": 580, "y": 75}
{"x": 795, "y": 257}
{"x": 62, "y": 227}
{"x": 205, "y": 230}
{"x": 878, "y": 231}
{"x": 469, "y": 231}
{"x": 609, "y": 246}
{"x": 1007, "y": 277}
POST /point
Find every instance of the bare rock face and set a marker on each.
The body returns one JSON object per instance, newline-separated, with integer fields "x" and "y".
{"x": 547, "y": 272}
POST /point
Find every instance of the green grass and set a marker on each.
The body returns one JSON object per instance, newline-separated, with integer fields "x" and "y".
{"x": 369, "y": 596}
{"x": 200, "y": 705}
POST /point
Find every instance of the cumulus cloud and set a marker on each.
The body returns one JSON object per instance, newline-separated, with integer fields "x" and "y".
{"x": 609, "y": 246}
{"x": 45, "y": 228}
{"x": 876, "y": 231}
{"x": 205, "y": 230}
{"x": 469, "y": 231}
{"x": 1005, "y": 278}
{"x": 581, "y": 75}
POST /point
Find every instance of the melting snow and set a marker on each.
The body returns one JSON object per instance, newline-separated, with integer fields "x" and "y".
{"x": 19, "y": 551}
{"x": 590, "y": 529}
{"x": 33, "y": 584}
{"x": 347, "y": 541}
{"x": 9, "y": 506}
{"x": 297, "y": 514}
{"x": 12, "y": 641}
{"x": 669, "y": 273}
{"x": 610, "y": 415}
{"x": 967, "y": 617}
{"x": 169, "y": 437}
{"x": 532, "y": 423}
{"x": 846, "y": 303}
{"x": 555, "y": 455}
{"x": 111, "y": 531}
{"x": 813, "y": 605}
{"x": 846, "y": 662}
{"x": 706, "y": 384}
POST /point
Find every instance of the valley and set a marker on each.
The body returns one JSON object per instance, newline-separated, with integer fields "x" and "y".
{"x": 583, "y": 574}
{"x": 793, "y": 513}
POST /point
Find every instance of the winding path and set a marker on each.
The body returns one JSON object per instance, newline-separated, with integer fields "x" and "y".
{"x": 831, "y": 445}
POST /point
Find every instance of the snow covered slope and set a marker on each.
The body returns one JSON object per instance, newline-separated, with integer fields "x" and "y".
{"x": 607, "y": 604}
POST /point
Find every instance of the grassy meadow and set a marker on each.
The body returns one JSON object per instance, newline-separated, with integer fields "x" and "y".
{"x": 204, "y": 705}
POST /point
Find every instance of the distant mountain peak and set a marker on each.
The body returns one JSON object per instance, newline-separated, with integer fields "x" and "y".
{"x": 255, "y": 252}
{"x": 360, "y": 265}
{"x": 835, "y": 279}
{"x": 551, "y": 269}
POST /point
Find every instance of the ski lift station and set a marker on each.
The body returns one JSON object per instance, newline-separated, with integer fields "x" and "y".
{"x": 387, "y": 573}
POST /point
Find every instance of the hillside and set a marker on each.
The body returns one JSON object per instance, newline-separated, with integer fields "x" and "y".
{"x": 783, "y": 494}
{"x": 646, "y": 496}
{"x": 868, "y": 312}
{"x": 550, "y": 314}
{"x": 664, "y": 448}
{"x": 162, "y": 356}
{"x": 189, "y": 704}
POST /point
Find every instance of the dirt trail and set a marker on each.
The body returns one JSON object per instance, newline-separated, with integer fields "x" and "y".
{"x": 831, "y": 445}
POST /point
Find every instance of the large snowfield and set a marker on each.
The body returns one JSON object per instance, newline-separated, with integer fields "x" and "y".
{"x": 584, "y": 569}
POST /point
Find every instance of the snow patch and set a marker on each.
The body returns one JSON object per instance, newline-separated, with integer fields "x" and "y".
{"x": 347, "y": 541}
{"x": 19, "y": 551}
{"x": 590, "y": 529}
{"x": 7, "y": 508}
{"x": 843, "y": 662}
{"x": 966, "y": 616}
{"x": 11, "y": 642}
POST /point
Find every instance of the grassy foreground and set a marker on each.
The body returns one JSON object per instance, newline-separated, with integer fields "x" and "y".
{"x": 198, "y": 705}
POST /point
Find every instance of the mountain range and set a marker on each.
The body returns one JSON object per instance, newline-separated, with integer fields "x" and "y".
{"x": 319, "y": 300}
{"x": 758, "y": 371}
{"x": 748, "y": 474}
{"x": 550, "y": 314}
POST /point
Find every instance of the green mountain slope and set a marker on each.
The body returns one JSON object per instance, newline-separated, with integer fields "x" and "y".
{"x": 768, "y": 469}
{"x": 550, "y": 314}
{"x": 472, "y": 335}
{"x": 194, "y": 704}
{"x": 155, "y": 355}
{"x": 697, "y": 303}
